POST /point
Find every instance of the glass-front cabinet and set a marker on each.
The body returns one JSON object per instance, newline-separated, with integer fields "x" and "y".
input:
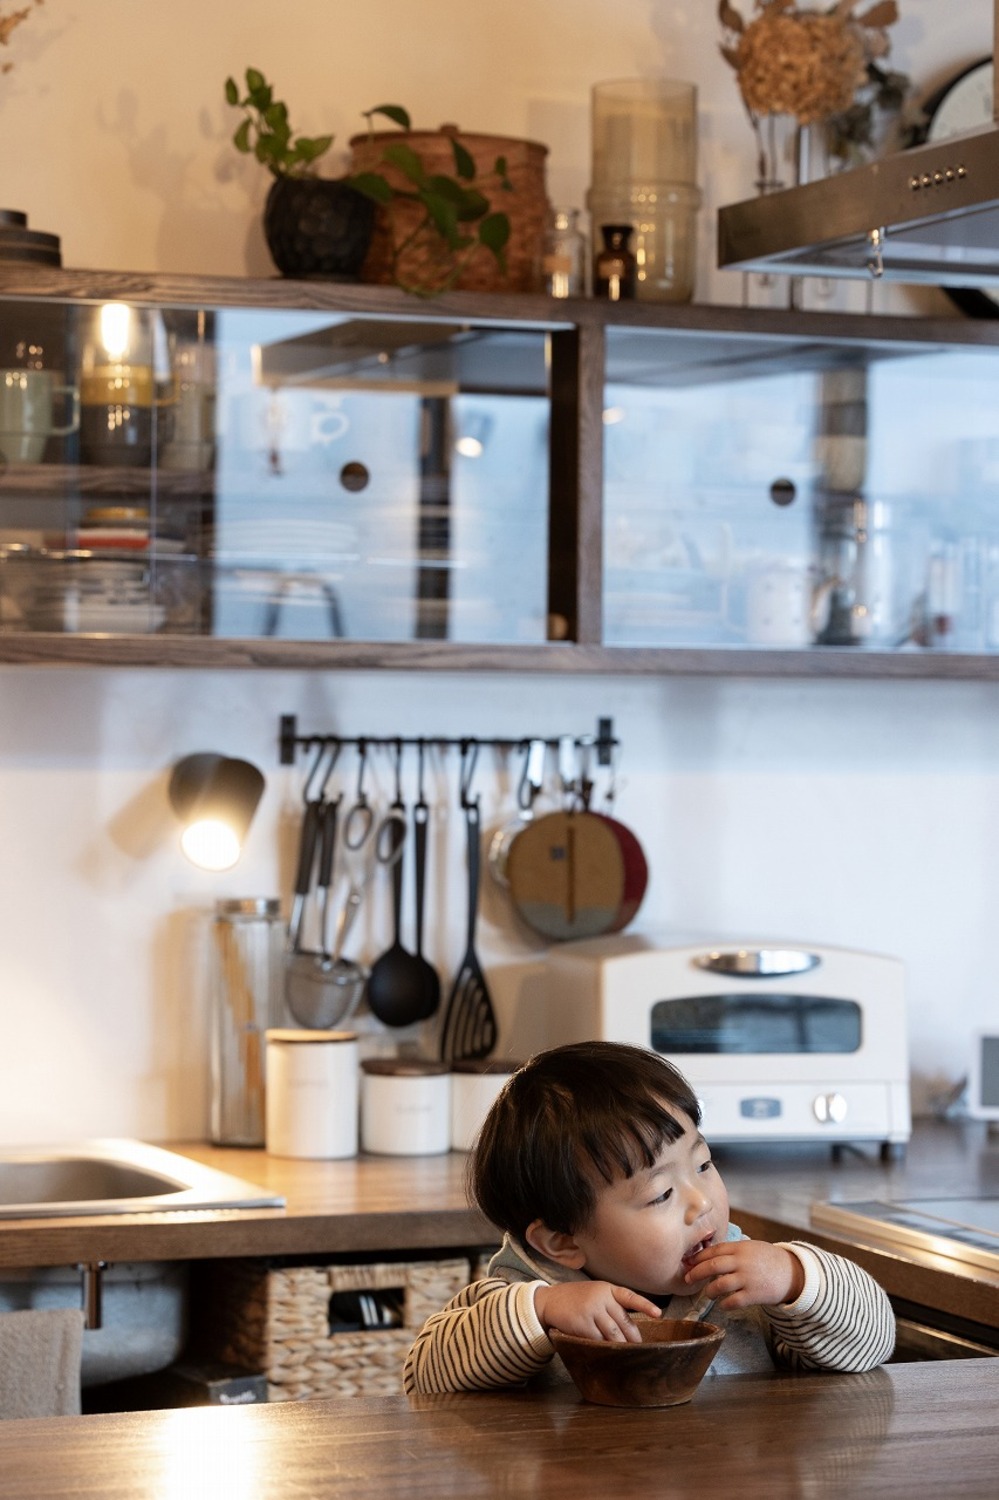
{"x": 801, "y": 495}
{"x": 246, "y": 472}
{"x": 218, "y": 471}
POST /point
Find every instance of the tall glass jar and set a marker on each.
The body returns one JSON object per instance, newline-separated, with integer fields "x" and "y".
{"x": 246, "y": 967}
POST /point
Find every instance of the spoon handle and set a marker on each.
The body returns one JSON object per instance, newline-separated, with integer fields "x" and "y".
{"x": 421, "y": 817}
{"x": 397, "y": 835}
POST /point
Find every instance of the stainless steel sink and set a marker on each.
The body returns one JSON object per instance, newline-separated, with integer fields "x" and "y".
{"x": 115, "y": 1177}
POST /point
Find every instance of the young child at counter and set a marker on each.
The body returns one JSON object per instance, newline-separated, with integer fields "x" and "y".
{"x": 592, "y": 1162}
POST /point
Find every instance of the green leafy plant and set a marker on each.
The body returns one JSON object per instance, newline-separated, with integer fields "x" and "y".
{"x": 265, "y": 131}
{"x": 437, "y": 221}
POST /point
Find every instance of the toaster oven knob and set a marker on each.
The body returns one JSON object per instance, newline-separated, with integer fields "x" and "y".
{"x": 829, "y": 1109}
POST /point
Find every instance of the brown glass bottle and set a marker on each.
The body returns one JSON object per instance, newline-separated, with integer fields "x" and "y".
{"x": 614, "y": 268}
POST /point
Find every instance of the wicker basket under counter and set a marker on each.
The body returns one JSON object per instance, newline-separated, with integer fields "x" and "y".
{"x": 274, "y": 1319}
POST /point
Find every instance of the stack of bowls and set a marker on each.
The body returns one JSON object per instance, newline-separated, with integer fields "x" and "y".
{"x": 644, "y": 174}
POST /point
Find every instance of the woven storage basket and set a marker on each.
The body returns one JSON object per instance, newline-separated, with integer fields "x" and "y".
{"x": 275, "y": 1320}
{"x": 526, "y": 207}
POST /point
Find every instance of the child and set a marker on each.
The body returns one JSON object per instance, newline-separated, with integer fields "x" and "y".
{"x": 592, "y": 1162}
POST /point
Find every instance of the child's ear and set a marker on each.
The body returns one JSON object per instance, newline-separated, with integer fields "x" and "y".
{"x": 555, "y": 1245}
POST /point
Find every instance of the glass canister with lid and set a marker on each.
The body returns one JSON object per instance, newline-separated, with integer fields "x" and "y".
{"x": 246, "y": 999}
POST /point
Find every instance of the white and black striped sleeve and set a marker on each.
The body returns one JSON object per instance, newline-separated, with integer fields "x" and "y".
{"x": 487, "y": 1337}
{"x": 842, "y": 1320}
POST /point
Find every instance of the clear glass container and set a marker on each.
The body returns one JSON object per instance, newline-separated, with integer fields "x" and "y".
{"x": 663, "y": 220}
{"x": 563, "y": 263}
{"x": 246, "y": 967}
{"x": 644, "y": 130}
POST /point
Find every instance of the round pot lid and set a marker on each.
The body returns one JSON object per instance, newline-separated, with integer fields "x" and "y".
{"x": 567, "y": 875}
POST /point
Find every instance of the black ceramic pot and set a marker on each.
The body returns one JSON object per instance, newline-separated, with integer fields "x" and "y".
{"x": 317, "y": 226}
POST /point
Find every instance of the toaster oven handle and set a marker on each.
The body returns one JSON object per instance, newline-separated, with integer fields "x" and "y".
{"x": 757, "y": 963}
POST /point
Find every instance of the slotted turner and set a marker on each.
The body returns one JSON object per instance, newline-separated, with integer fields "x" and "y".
{"x": 469, "y": 1030}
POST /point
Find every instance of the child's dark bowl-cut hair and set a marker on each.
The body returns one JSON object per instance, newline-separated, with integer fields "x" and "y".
{"x": 566, "y": 1118}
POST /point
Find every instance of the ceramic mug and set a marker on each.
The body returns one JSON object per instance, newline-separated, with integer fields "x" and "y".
{"x": 191, "y": 444}
{"x": 783, "y": 605}
{"x": 27, "y": 408}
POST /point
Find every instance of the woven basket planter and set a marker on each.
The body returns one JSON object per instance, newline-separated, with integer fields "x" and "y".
{"x": 526, "y": 207}
{"x": 275, "y": 1320}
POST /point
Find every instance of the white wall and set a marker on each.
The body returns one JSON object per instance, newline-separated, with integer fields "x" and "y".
{"x": 862, "y": 814}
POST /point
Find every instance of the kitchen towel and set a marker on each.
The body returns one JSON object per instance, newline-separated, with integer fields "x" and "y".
{"x": 40, "y": 1354}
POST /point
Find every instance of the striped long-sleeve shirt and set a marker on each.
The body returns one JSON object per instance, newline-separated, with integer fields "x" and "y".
{"x": 489, "y": 1336}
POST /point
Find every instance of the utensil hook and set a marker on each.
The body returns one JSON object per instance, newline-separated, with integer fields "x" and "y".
{"x": 314, "y": 772}
{"x": 334, "y": 745}
{"x": 533, "y": 775}
{"x": 398, "y": 774}
{"x": 361, "y": 817}
{"x": 469, "y": 756}
{"x": 421, "y": 798}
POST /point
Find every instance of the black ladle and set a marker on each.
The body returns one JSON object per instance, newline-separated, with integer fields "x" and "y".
{"x": 397, "y": 984}
{"x": 431, "y": 978}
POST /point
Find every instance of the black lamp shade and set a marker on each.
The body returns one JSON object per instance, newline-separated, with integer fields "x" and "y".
{"x": 215, "y": 789}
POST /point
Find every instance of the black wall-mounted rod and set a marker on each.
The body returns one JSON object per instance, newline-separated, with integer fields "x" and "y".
{"x": 602, "y": 743}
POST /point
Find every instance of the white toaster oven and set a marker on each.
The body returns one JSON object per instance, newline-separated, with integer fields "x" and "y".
{"x": 781, "y": 1041}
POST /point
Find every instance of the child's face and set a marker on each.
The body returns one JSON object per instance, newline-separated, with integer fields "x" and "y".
{"x": 645, "y": 1228}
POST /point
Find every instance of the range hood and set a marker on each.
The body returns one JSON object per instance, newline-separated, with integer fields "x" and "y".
{"x": 930, "y": 214}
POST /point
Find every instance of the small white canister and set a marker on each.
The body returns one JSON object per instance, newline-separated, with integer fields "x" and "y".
{"x": 474, "y": 1087}
{"x": 312, "y": 1093}
{"x": 405, "y": 1107}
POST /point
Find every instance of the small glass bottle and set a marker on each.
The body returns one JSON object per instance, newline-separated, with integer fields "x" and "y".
{"x": 564, "y": 260}
{"x": 246, "y": 972}
{"x": 614, "y": 270}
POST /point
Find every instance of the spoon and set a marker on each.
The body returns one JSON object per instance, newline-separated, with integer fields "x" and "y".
{"x": 397, "y": 984}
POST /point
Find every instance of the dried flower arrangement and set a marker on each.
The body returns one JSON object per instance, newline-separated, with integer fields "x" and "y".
{"x": 820, "y": 67}
{"x": 9, "y": 22}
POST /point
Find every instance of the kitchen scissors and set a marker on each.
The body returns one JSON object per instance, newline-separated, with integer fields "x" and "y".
{"x": 369, "y": 844}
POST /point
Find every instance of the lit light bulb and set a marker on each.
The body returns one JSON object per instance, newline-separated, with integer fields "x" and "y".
{"x": 116, "y": 320}
{"x": 210, "y": 844}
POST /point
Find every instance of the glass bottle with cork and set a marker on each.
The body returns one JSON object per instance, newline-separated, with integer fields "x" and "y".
{"x": 614, "y": 269}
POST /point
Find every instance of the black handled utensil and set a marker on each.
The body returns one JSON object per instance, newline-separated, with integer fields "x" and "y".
{"x": 469, "y": 1030}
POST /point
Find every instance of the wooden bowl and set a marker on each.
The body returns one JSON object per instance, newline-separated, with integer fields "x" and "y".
{"x": 665, "y": 1369}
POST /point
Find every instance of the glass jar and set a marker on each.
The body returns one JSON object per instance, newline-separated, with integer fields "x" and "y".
{"x": 563, "y": 263}
{"x": 246, "y": 968}
{"x": 614, "y": 270}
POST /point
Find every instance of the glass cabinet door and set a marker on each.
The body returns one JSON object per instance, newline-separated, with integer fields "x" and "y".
{"x": 265, "y": 473}
{"x": 773, "y": 493}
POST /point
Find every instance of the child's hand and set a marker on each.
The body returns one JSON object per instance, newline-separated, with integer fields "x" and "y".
{"x": 592, "y": 1310}
{"x": 747, "y": 1273}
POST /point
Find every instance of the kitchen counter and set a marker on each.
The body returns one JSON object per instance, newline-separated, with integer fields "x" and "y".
{"x": 908, "y": 1430}
{"x": 418, "y": 1203}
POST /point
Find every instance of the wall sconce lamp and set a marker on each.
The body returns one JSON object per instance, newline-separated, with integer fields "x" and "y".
{"x": 215, "y": 798}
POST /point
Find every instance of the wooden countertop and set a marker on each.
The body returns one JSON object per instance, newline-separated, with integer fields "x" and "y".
{"x": 920, "y": 1430}
{"x": 414, "y": 1203}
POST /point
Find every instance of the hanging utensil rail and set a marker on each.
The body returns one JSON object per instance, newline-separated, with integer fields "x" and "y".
{"x": 603, "y": 743}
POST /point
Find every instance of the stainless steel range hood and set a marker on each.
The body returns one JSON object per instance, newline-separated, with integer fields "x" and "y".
{"x": 930, "y": 214}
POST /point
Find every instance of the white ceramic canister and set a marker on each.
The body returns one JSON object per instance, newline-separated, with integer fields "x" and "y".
{"x": 405, "y": 1107}
{"x": 474, "y": 1088}
{"x": 312, "y": 1093}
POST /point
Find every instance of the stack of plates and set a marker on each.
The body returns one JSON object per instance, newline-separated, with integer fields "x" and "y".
{"x": 18, "y": 242}
{"x": 123, "y": 528}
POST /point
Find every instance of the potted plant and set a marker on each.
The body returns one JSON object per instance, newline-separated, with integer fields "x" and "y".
{"x": 432, "y": 221}
{"x": 314, "y": 226}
